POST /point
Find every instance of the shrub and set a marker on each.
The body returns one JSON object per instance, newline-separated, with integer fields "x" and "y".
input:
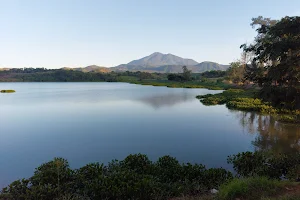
{"x": 249, "y": 188}
{"x": 265, "y": 164}
{"x": 135, "y": 177}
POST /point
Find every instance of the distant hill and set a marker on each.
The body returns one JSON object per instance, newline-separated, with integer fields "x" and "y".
{"x": 209, "y": 66}
{"x": 91, "y": 68}
{"x": 168, "y": 63}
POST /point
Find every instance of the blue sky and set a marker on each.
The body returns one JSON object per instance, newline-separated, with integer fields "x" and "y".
{"x": 77, "y": 33}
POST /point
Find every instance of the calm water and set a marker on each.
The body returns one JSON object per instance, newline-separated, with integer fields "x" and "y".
{"x": 98, "y": 122}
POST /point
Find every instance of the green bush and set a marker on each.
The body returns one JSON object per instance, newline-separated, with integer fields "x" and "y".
{"x": 249, "y": 188}
{"x": 135, "y": 177}
{"x": 248, "y": 164}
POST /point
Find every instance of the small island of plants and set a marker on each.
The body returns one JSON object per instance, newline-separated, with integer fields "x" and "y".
{"x": 7, "y": 91}
{"x": 248, "y": 100}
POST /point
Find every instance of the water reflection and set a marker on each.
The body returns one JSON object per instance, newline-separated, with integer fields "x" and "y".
{"x": 271, "y": 135}
{"x": 167, "y": 100}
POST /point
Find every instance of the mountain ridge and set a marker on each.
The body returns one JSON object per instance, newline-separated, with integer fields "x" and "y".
{"x": 168, "y": 63}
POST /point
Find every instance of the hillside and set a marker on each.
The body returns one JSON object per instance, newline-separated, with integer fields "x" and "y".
{"x": 91, "y": 68}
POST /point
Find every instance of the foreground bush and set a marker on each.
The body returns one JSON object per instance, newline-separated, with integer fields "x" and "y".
{"x": 247, "y": 164}
{"x": 253, "y": 188}
{"x": 135, "y": 177}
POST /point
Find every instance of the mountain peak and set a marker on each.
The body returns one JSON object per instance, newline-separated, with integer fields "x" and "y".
{"x": 159, "y": 59}
{"x": 156, "y": 53}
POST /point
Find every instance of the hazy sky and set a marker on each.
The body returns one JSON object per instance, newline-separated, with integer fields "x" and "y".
{"x": 77, "y": 33}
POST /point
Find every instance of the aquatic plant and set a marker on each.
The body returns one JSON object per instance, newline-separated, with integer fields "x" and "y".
{"x": 7, "y": 91}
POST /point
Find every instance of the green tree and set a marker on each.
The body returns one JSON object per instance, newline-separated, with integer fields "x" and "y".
{"x": 52, "y": 179}
{"x": 276, "y": 62}
{"x": 187, "y": 74}
{"x": 235, "y": 73}
{"x": 145, "y": 75}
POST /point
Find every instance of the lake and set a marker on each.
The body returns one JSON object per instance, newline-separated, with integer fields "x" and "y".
{"x": 98, "y": 122}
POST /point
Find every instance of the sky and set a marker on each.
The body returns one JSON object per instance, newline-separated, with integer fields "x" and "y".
{"x": 78, "y": 33}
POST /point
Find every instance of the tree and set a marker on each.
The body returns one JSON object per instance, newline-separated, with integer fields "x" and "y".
{"x": 145, "y": 75}
{"x": 51, "y": 179}
{"x": 187, "y": 74}
{"x": 235, "y": 73}
{"x": 175, "y": 77}
{"x": 276, "y": 62}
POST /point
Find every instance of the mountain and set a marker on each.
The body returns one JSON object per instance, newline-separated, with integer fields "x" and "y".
{"x": 168, "y": 63}
{"x": 91, "y": 68}
{"x": 157, "y": 62}
{"x": 158, "y": 59}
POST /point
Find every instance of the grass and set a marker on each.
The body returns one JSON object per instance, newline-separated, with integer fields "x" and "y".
{"x": 253, "y": 188}
{"x": 7, "y": 91}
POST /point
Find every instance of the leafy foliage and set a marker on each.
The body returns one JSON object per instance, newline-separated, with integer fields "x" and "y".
{"x": 252, "y": 188}
{"x": 186, "y": 73}
{"x": 135, "y": 177}
{"x": 271, "y": 165}
{"x": 276, "y": 63}
{"x": 235, "y": 72}
{"x": 185, "y": 76}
